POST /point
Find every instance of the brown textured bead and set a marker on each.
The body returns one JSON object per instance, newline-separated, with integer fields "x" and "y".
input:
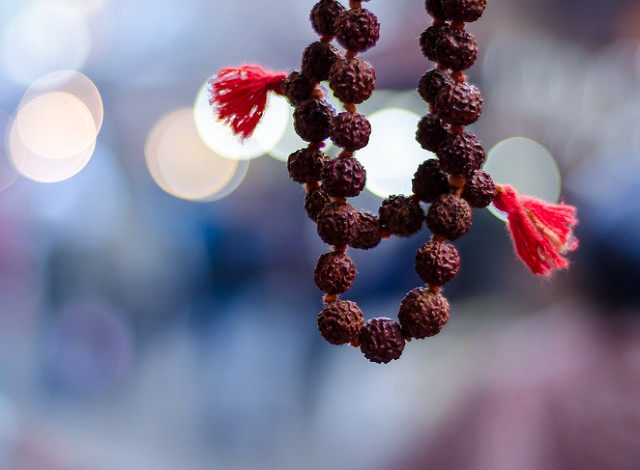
{"x": 334, "y": 272}
{"x": 429, "y": 39}
{"x": 423, "y": 313}
{"x": 343, "y": 177}
{"x": 449, "y": 216}
{"x": 305, "y": 165}
{"x": 431, "y": 82}
{"x": 429, "y": 181}
{"x": 340, "y": 322}
{"x": 314, "y": 201}
{"x": 337, "y": 223}
{"x": 324, "y": 15}
{"x": 464, "y": 11}
{"x": 381, "y": 340}
{"x": 461, "y": 154}
{"x": 437, "y": 262}
{"x": 435, "y": 8}
{"x": 401, "y": 215}
{"x": 459, "y": 104}
{"x": 297, "y": 88}
{"x": 431, "y": 132}
{"x": 312, "y": 120}
{"x": 456, "y": 49}
{"x": 479, "y": 190}
{"x": 352, "y": 80}
{"x": 357, "y": 29}
{"x": 368, "y": 234}
{"x": 350, "y": 131}
{"x": 317, "y": 60}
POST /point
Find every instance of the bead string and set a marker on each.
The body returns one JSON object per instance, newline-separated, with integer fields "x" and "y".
{"x": 542, "y": 232}
{"x": 423, "y": 311}
{"x": 451, "y": 184}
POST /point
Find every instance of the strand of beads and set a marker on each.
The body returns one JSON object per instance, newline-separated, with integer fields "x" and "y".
{"x": 339, "y": 224}
{"x": 352, "y": 81}
{"x": 453, "y": 183}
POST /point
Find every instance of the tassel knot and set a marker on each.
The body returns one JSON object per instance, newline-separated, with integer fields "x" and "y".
{"x": 542, "y": 232}
{"x": 239, "y": 96}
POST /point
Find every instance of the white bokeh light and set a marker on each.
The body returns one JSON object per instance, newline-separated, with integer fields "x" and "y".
{"x": 43, "y": 169}
{"x": 44, "y": 36}
{"x": 221, "y": 140}
{"x": 526, "y": 165}
{"x": 392, "y": 155}
{"x": 55, "y": 125}
{"x": 183, "y": 166}
{"x": 74, "y": 83}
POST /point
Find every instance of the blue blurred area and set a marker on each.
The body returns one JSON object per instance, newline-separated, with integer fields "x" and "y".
{"x": 142, "y": 331}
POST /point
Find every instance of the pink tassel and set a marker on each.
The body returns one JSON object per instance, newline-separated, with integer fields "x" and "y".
{"x": 239, "y": 96}
{"x": 542, "y": 232}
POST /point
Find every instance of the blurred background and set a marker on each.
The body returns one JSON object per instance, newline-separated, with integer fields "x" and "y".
{"x": 157, "y": 304}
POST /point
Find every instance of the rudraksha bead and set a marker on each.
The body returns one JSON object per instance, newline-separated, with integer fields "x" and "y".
{"x": 312, "y": 120}
{"x": 479, "y": 190}
{"x": 465, "y": 11}
{"x": 449, "y": 216}
{"x": 429, "y": 181}
{"x": 429, "y": 39}
{"x": 401, "y": 215}
{"x": 297, "y": 88}
{"x": 334, "y": 272}
{"x": 350, "y": 131}
{"x": 459, "y": 103}
{"x": 340, "y": 322}
{"x": 343, "y": 177}
{"x": 431, "y": 132}
{"x": 337, "y": 223}
{"x": 317, "y": 60}
{"x": 368, "y": 235}
{"x": 431, "y": 82}
{"x": 437, "y": 262}
{"x": 456, "y": 49}
{"x": 305, "y": 165}
{"x": 381, "y": 340}
{"x": 435, "y": 8}
{"x": 324, "y": 15}
{"x": 461, "y": 154}
{"x": 352, "y": 80}
{"x": 357, "y": 29}
{"x": 314, "y": 201}
{"x": 423, "y": 313}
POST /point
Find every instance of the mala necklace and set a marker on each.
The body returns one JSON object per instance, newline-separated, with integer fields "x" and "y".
{"x": 451, "y": 185}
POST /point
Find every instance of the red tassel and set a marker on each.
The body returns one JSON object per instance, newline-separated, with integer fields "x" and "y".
{"x": 542, "y": 232}
{"x": 239, "y": 95}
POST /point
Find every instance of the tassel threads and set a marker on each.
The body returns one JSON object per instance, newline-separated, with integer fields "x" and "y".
{"x": 239, "y": 96}
{"x": 542, "y": 232}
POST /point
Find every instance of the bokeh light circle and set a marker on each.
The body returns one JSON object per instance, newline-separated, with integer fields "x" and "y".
{"x": 392, "y": 155}
{"x": 183, "y": 166}
{"x": 44, "y": 36}
{"x": 55, "y": 125}
{"x": 42, "y": 169}
{"x": 221, "y": 140}
{"x": 526, "y": 165}
{"x": 54, "y": 130}
{"x": 74, "y": 83}
{"x": 289, "y": 143}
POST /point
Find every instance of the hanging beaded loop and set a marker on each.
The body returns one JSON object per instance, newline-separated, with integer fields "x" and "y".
{"x": 451, "y": 184}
